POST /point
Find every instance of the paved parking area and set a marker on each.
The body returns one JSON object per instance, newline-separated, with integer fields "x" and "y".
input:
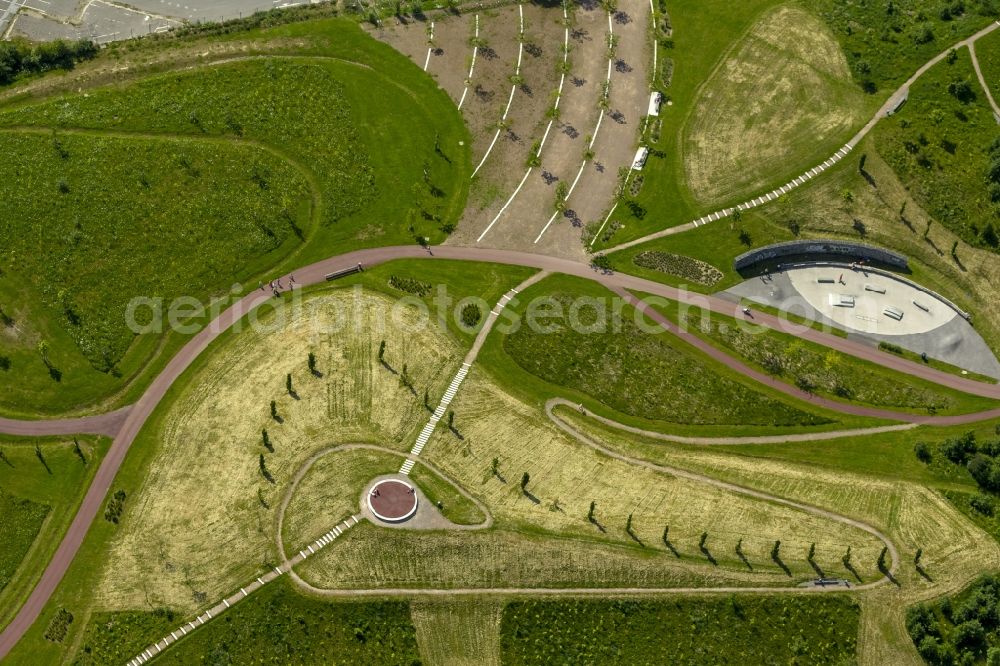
{"x": 208, "y": 10}
{"x": 106, "y": 20}
{"x": 98, "y": 20}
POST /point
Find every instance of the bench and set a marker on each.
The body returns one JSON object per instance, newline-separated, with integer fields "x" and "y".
{"x": 922, "y": 306}
{"x": 893, "y": 313}
{"x": 874, "y": 289}
{"x": 343, "y": 272}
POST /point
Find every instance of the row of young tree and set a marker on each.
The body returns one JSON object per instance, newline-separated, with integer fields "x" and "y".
{"x": 312, "y": 364}
{"x": 17, "y": 58}
{"x": 592, "y": 518}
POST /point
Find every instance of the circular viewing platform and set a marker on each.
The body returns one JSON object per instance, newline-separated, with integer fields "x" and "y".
{"x": 392, "y": 501}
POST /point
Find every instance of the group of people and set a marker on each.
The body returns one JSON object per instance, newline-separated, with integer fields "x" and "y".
{"x": 276, "y": 286}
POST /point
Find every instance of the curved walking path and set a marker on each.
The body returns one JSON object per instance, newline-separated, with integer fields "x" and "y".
{"x": 101, "y": 424}
{"x": 982, "y": 81}
{"x": 316, "y": 274}
{"x": 636, "y": 591}
{"x": 286, "y": 499}
{"x": 889, "y": 105}
{"x": 552, "y": 403}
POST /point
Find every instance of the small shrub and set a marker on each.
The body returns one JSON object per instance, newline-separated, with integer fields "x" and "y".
{"x": 59, "y": 626}
{"x": 409, "y": 285}
{"x": 923, "y": 452}
{"x": 891, "y": 348}
{"x": 680, "y": 266}
{"x": 113, "y": 512}
{"x": 601, "y": 261}
{"x": 471, "y": 315}
{"x": 805, "y": 383}
{"x": 983, "y": 504}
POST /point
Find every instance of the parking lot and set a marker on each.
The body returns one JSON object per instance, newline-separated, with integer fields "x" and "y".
{"x": 105, "y": 21}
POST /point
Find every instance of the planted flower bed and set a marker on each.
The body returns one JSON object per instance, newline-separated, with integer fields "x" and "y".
{"x": 409, "y": 285}
{"x": 679, "y": 266}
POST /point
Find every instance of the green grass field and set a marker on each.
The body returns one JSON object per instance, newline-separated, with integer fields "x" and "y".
{"x": 88, "y": 258}
{"x": 744, "y": 629}
{"x": 825, "y": 372}
{"x": 274, "y": 626}
{"x": 453, "y": 505}
{"x": 37, "y": 502}
{"x": 886, "y": 455}
{"x": 303, "y": 179}
{"x": 601, "y": 363}
{"x": 715, "y": 244}
{"x": 939, "y": 146}
{"x": 988, "y": 54}
{"x": 885, "y": 43}
{"x": 882, "y": 49}
{"x": 460, "y": 631}
{"x": 22, "y": 521}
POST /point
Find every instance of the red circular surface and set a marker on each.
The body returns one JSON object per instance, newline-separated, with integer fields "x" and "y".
{"x": 392, "y": 500}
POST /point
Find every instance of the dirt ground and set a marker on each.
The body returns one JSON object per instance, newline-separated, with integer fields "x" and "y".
{"x": 562, "y": 156}
{"x": 563, "y": 152}
{"x": 505, "y": 167}
{"x": 779, "y": 103}
{"x": 619, "y": 133}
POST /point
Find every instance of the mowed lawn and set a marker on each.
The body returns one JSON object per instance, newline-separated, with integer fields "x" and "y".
{"x": 745, "y": 629}
{"x": 39, "y": 493}
{"x": 252, "y": 177}
{"x": 774, "y": 106}
{"x": 275, "y": 626}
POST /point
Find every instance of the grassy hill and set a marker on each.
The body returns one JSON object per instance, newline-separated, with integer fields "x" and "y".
{"x": 182, "y": 183}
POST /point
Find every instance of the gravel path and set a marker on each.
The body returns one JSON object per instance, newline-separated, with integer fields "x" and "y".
{"x": 982, "y": 81}
{"x": 551, "y": 404}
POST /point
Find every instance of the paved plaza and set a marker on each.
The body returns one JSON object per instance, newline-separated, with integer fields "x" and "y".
{"x": 875, "y": 307}
{"x": 107, "y": 21}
